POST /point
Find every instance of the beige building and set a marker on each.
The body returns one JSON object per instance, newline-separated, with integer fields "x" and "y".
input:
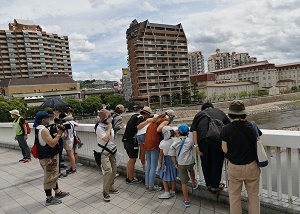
{"x": 51, "y": 85}
{"x": 26, "y": 51}
{"x": 222, "y": 60}
{"x": 158, "y": 61}
{"x": 196, "y": 63}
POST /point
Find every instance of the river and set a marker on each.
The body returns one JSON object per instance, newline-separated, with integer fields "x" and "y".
{"x": 276, "y": 119}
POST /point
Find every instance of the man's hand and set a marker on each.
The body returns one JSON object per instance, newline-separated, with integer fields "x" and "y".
{"x": 198, "y": 151}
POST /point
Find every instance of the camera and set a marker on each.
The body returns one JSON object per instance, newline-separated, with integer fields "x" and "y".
{"x": 63, "y": 127}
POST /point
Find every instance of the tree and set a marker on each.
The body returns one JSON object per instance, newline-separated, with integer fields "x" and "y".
{"x": 195, "y": 91}
{"x": 201, "y": 96}
{"x": 91, "y": 104}
{"x": 186, "y": 94}
{"x": 76, "y": 105}
{"x": 175, "y": 99}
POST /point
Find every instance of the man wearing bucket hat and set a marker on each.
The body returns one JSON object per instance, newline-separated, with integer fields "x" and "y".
{"x": 48, "y": 149}
{"x": 20, "y": 128}
{"x": 211, "y": 154}
{"x": 238, "y": 142}
{"x": 130, "y": 144}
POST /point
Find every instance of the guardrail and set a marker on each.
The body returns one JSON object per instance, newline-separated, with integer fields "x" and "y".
{"x": 280, "y": 180}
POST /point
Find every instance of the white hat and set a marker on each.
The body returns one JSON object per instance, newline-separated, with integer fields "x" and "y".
{"x": 15, "y": 112}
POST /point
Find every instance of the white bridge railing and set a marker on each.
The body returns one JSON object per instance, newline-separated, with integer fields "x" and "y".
{"x": 279, "y": 181}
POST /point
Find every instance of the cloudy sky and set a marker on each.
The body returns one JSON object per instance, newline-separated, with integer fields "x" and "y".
{"x": 267, "y": 29}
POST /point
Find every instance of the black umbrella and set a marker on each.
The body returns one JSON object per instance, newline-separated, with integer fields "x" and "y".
{"x": 53, "y": 102}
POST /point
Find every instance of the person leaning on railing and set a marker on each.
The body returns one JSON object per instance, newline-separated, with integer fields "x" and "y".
{"x": 238, "y": 144}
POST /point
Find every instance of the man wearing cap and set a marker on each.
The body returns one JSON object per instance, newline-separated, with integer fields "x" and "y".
{"x": 212, "y": 157}
{"x": 117, "y": 122}
{"x": 130, "y": 144}
{"x": 20, "y": 128}
{"x": 238, "y": 140}
{"x": 48, "y": 150}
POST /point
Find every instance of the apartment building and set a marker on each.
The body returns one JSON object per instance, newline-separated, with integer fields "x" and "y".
{"x": 158, "y": 61}
{"x": 222, "y": 60}
{"x": 26, "y": 51}
{"x": 196, "y": 63}
{"x": 126, "y": 84}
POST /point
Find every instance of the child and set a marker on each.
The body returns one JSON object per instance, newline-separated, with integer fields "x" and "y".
{"x": 167, "y": 169}
{"x": 182, "y": 148}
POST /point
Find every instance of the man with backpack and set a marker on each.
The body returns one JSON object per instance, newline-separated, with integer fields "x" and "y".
{"x": 19, "y": 126}
{"x": 209, "y": 146}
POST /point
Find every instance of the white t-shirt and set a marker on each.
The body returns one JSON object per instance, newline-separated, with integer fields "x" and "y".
{"x": 101, "y": 132}
{"x": 165, "y": 145}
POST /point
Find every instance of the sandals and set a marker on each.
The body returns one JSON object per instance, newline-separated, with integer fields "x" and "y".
{"x": 216, "y": 192}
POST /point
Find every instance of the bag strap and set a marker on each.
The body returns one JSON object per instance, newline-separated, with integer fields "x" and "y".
{"x": 104, "y": 147}
{"x": 181, "y": 146}
{"x": 209, "y": 117}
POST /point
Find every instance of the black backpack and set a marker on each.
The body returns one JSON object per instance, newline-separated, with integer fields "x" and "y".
{"x": 215, "y": 127}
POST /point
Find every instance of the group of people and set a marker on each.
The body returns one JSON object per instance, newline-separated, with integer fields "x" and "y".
{"x": 159, "y": 145}
{"x": 174, "y": 154}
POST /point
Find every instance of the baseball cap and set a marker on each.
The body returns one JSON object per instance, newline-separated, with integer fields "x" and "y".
{"x": 183, "y": 129}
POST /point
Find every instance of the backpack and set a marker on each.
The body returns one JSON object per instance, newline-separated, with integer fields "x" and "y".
{"x": 28, "y": 127}
{"x": 215, "y": 127}
{"x": 26, "y": 124}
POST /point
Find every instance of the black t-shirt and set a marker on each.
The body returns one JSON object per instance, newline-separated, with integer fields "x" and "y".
{"x": 131, "y": 129}
{"x": 241, "y": 139}
{"x": 200, "y": 121}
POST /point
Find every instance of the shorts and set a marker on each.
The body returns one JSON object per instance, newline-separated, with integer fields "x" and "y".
{"x": 68, "y": 145}
{"x": 75, "y": 148}
{"x": 184, "y": 172}
{"x": 131, "y": 152}
{"x": 140, "y": 138}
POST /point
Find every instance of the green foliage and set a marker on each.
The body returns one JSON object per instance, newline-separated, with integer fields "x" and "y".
{"x": 175, "y": 99}
{"x": 91, "y": 104}
{"x": 186, "y": 93}
{"x": 76, "y": 105}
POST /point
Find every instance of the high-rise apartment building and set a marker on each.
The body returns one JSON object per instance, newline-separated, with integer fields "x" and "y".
{"x": 126, "y": 84}
{"x": 28, "y": 52}
{"x": 222, "y": 60}
{"x": 196, "y": 63}
{"x": 158, "y": 61}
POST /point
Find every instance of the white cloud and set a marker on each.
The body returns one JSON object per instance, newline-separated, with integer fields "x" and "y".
{"x": 267, "y": 29}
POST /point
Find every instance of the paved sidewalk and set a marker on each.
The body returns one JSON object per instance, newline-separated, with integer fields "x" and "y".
{"x": 21, "y": 191}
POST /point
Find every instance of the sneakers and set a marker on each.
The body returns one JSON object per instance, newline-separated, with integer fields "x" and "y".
{"x": 79, "y": 164}
{"x": 106, "y": 196}
{"x": 61, "y": 194}
{"x": 133, "y": 181}
{"x": 71, "y": 171}
{"x": 172, "y": 193}
{"x": 196, "y": 185}
{"x": 26, "y": 160}
{"x": 165, "y": 195}
{"x": 52, "y": 201}
{"x": 62, "y": 175}
{"x": 114, "y": 191}
{"x": 62, "y": 166}
{"x": 187, "y": 203}
{"x": 154, "y": 189}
